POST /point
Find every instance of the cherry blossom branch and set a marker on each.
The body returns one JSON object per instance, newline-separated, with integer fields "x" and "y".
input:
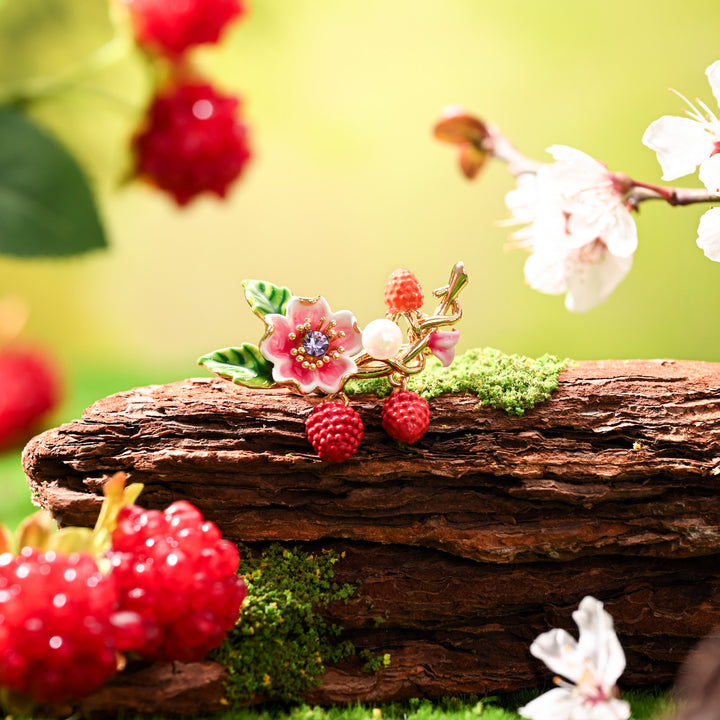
{"x": 478, "y": 140}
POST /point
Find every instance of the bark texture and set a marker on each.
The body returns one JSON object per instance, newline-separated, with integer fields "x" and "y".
{"x": 467, "y": 544}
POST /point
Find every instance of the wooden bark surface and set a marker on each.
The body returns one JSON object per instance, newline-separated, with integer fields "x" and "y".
{"x": 467, "y": 544}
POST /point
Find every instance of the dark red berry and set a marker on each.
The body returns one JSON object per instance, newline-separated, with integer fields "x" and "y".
{"x": 334, "y": 430}
{"x": 170, "y": 27}
{"x": 192, "y": 142}
{"x": 405, "y": 416}
{"x": 56, "y": 637}
{"x": 29, "y": 389}
{"x": 174, "y": 570}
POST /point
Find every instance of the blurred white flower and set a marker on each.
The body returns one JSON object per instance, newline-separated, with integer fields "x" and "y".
{"x": 580, "y": 233}
{"x": 592, "y": 665}
{"x": 709, "y": 227}
{"x": 684, "y": 143}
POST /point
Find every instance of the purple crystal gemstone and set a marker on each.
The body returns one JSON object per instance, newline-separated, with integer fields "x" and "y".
{"x": 315, "y": 343}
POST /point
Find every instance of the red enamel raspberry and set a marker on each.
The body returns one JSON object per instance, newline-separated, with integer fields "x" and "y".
{"x": 170, "y": 27}
{"x": 403, "y": 292}
{"x": 29, "y": 389}
{"x": 192, "y": 142}
{"x": 405, "y": 416}
{"x": 174, "y": 570}
{"x": 334, "y": 430}
{"x": 56, "y": 637}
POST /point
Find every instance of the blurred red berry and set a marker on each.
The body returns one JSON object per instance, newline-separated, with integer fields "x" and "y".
{"x": 29, "y": 389}
{"x": 170, "y": 27}
{"x": 403, "y": 292}
{"x": 192, "y": 142}
{"x": 174, "y": 571}
{"x": 56, "y": 637}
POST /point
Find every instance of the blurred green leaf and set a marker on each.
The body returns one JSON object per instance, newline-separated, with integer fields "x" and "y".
{"x": 46, "y": 205}
{"x": 264, "y": 297}
{"x": 243, "y": 365}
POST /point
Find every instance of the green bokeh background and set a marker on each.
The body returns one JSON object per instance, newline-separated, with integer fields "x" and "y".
{"x": 347, "y": 182}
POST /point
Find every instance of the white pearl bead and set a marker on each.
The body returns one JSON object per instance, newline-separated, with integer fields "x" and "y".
{"x": 382, "y": 338}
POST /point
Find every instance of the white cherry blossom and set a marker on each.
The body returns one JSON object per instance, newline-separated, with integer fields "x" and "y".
{"x": 579, "y": 230}
{"x": 709, "y": 227}
{"x": 684, "y": 143}
{"x": 590, "y": 667}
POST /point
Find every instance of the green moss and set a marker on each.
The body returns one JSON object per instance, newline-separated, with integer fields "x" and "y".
{"x": 512, "y": 383}
{"x": 280, "y": 643}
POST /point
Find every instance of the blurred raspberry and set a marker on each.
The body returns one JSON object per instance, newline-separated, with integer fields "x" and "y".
{"x": 29, "y": 389}
{"x": 170, "y": 27}
{"x": 175, "y": 571}
{"x": 403, "y": 292}
{"x": 56, "y": 637}
{"x": 192, "y": 142}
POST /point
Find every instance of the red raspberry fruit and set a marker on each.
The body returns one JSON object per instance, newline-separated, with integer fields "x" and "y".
{"x": 192, "y": 142}
{"x": 405, "y": 416}
{"x": 334, "y": 430}
{"x": 29, "y": 389}
{"x": 170, "y": 27}
{"x": 56, "y": 637}
{"x": 403, "y": 292}
{"x": 174, "y": 570}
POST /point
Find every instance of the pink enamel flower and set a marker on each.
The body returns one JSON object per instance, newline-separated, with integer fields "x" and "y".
{"x": 310, "y": 346}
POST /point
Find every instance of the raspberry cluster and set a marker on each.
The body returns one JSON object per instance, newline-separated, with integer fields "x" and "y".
{"x": 174, "y": 571}
{"x": 171, "y": 27}
{"x": 192, "y": 142}
{"x": 403, "y": 292}
{"x": 405, "y": 416}
{"x": 29, "y": 389}
{"x": 56, "y": 635}
{"x": 334, "y": 430}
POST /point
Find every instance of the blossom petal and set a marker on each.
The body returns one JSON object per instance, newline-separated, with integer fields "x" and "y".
{"x": 556, "y": 704}
{"x": 620, "y": 235}
{"x": 598, "y": 641}
{"x": 709, "y": 234}
{"x": 589, "y": 284}
{"x": 545, "y": 269}
{"x": 681, "y": 144}
{"x": 346, "y": 322}
{"x": 575, "y": 169}
{"x": 300, "y": 309}
{"x": 559, "y": 651}
{"x": 710, "y": 174}
{"x": 713, "y": 75}
{"x": 442, "y": 345}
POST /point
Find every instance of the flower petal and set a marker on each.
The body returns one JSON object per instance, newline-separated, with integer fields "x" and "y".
{"x": 442, "y": 345}
{"x": 556, "y": 704}
{"x": 346, "y": 322}
{"x": 545, "y": 269}
{"x": 681, "y": 144}
{"x": 620, "y": 235}
{"x": 598, "y": 641}
{"x": 710, "y": 174}
{"x": 709, "y": 234}
{"x": 559, "y": 651}
{"x": 589, "y": 284}
{"x": 300, "y": 309}
{"x": 575, "y": 170}
{"x": 713, "y": 75}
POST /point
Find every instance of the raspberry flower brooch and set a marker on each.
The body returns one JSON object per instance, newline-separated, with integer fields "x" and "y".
{"x": 309, "y": 348}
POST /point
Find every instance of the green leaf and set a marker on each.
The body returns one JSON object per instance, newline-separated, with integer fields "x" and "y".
{"x": 264, "y": 297}
{"x": 46, "y": 205}
{"x": 243, "y": 365}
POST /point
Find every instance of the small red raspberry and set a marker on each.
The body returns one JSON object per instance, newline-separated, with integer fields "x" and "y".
{"x": 405, "y": 416}
{"x": 192, "y": 142}
{"x": 170, "y": 27}
{"x": 56, "y": 637}
{"x": 175, "y": 571}
{"x": 29, "y": 389}
{"x": 334, "y": 430}
{"x": 403, "y": 292}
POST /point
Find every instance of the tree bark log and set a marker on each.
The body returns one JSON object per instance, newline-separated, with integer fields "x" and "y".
{"x": 467, "y": 544}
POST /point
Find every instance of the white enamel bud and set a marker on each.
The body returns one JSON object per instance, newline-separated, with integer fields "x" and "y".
{"x": 382, "y": 338}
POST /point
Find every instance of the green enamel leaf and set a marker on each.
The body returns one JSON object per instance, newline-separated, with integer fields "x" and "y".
{"x": 264, "y": 297}
{"x": 243, "y": 365}
{"x": 46, "y": 205}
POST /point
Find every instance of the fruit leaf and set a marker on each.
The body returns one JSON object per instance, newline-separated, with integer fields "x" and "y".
{"x": 6, "y": 540}
{"x": 73, "y": 539}
{"x": 243, "y": 365}
{"x": 46, "y": 205}
{"x": 264, "y": 297}
{"x": 35, "y": 531}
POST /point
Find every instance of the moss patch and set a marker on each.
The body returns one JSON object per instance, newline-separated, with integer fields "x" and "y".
{"x": 513, "y": 383}
{"x": 280, "y": 643}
